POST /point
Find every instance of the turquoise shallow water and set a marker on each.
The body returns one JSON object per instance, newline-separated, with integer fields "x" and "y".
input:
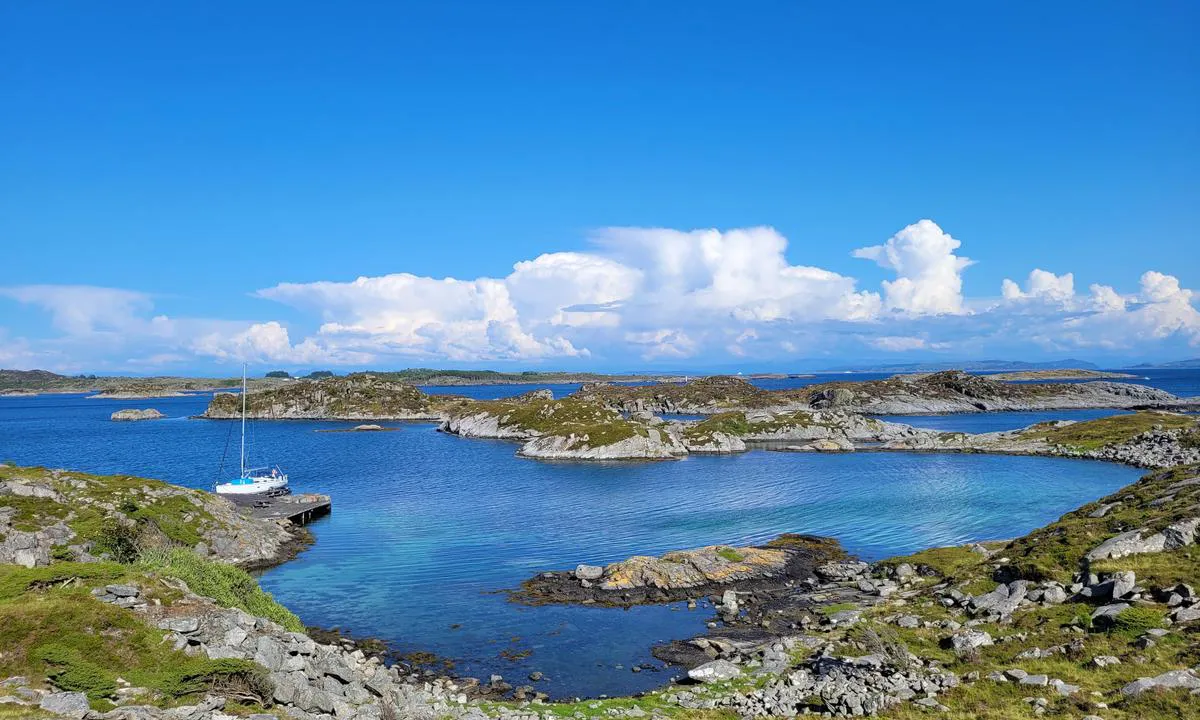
{"x": 428, "y": 527}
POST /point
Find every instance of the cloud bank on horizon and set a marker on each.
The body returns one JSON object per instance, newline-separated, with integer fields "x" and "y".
{"x": 640, "y": 296}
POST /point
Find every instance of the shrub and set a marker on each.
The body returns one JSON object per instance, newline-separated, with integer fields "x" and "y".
{"x": 240, "y": 679}
{"x": 72, "y": 672}
{"x": 119, "y": 541}
{"x": 885, "y": 641}
{"x": 1134, "y": 621}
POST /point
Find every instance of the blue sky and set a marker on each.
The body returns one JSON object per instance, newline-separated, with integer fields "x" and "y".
{"x": 185, "y": 186}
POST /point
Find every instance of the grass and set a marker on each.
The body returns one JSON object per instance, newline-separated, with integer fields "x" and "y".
{"x": 229, "y": 586}
{"x": 945, "y": 561}
{"x": 15, "y": 581}
{"x": 1157, "y": 569}
{"x": 1134, "y": 621}
{"x": 837, "y": 608}
{"x": 728, "y": 553}
{"x": 54, "y": 628}
{"x": 709, "y": 392}
{"x": 1095, "y": 434}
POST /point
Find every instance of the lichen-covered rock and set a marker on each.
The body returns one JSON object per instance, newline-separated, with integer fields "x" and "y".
{"x": 66, "y": 704}
{"x": 1133, "y": 542}
{"x": 1186, "y": 679}
{"x": 693, "y": 568}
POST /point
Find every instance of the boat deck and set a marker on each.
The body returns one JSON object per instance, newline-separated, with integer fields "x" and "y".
{"x": 301, "y": 509}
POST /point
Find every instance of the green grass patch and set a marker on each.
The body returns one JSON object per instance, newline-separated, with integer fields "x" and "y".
{"x": 728, "y": 553}
{"x": 229, "y": 586}
{"x": 946, "y": 561}
{"x": 33, "y": 514}
{"x": 837, "y": 608}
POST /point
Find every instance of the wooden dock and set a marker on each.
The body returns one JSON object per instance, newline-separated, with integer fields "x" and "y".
{"x": 301, "y": 509}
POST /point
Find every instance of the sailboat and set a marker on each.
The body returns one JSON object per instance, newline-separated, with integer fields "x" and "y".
{"x": 252, "y": 481}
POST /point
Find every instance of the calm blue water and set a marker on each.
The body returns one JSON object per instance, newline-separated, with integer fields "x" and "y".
{"x": 426, "y": 527}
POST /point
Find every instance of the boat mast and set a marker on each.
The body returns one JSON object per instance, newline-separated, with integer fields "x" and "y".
{"x": 243, "y": 455}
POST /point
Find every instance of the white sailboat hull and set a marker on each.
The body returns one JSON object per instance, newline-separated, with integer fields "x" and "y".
{"x": 251, "y": 486}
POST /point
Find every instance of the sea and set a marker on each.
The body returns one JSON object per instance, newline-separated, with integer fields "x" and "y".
{"x": 429, "y": 531}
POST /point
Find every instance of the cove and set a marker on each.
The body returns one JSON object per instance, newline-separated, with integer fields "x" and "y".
{"x": 427, "y": 527}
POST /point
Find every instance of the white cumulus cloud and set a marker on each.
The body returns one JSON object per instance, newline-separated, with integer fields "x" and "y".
{"x": 635, "y": 295}
{"x": 929, "y": 274}
{"x": 1042, "y": 286}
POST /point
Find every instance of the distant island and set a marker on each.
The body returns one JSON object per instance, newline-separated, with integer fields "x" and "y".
{"x": 1190, "y": 364}
{"x": 969, "y": 366}
{"x": 28, "y": 382}
{"x": 1064, "y": 374}
{"x": 31, "y": 382}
